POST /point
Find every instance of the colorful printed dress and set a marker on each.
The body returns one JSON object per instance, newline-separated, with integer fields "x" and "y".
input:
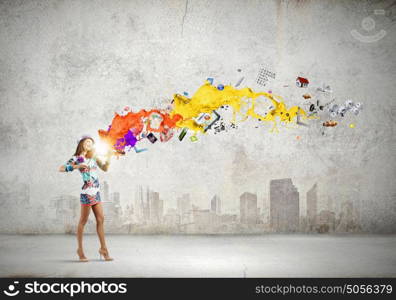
{"x": 90, "y": 194}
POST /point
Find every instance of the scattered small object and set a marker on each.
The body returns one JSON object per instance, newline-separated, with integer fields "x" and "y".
{"x": 202, "y": 118}
{"x": 193, "y": 138}
{"x": 185, "y": 93}
{"x": 269, "y": 92}
{"x": 342, "y": 110}
{"x": 151, "y": 137}
{"x": 220, "y": 127}
{"x": 166, "y": 135}
{"x": 206, "y": 120}
{"x": 328, "y": 103}
{"x": 263, "y": 75}
{"x": 334, "y": 108}
{"x": 267, "y": 73}
{"x": 127, "y": 108}
{"x": 314, "y": 108}
{"x": 139, "y": 150}
{"x": 220, "y": 87}
{"x": 155, "y": 120}
{"x": 262, "y": 80}
{"x": 355, "y": 110}
{"x": 349, "y": 104}
{"x": 330, "y": 123}
{"x": 324, "y": 89}
{"x": 239, "y": 70}
{"x": 307, "y": 96}
{"x": 183, "y": 134}
{"x": 239, "y": 81}
{"x": 210, "y": 80}
{"x": 299, "y": 121}
{"x": 213, "y": 122}
{"x": 352, "y": 125}
{"x": 298, "y": 137}
{"x": 302, "y": 82}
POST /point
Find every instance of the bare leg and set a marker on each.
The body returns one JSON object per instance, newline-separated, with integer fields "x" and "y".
{"x": 85, "y": 210}
{"x": 98, "y": 211}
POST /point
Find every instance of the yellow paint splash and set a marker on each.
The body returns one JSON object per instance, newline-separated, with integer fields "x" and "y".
{"x": 208, "y": 98}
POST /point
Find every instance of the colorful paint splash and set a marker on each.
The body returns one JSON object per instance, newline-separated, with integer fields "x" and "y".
{"x": 127, "y": 130}
{"x": 196, "y": 114}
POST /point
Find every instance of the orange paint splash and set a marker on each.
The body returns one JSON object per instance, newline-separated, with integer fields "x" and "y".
{"x": 136, "y": 122}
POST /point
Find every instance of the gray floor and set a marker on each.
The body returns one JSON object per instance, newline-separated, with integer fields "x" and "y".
{"x": 201, "y": 256}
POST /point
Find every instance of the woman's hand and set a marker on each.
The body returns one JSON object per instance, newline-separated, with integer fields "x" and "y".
{"x": 104, "y": 165}
{"x": 109, "y": 154}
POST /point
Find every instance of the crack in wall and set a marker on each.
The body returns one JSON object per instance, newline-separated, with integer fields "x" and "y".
{"x": 184, "y": 17}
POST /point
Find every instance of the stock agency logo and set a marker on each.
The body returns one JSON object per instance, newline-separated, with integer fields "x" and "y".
{"x": 368, "y": 24}
{"x": 11, "y": 290}
{"x": 66, "y": 288}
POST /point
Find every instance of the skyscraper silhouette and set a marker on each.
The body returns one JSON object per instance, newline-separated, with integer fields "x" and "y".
{"x": 184, "y": 208}
{"x": 106, "y": 194}
{"x": 215, "y": 205}
{"x": 248, "y": 208}
{"x": 154, "y": 208}
{"x": 312, "y": 207}
{"x": 285, "y": 206}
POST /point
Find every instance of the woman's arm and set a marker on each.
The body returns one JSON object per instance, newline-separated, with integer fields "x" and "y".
{"x": 62, "y": 168}
{"x": 70, "y": 164}
{"x": 104, "y": 165}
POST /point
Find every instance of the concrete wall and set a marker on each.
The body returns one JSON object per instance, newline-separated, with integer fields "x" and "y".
{"x": 66, "y": 66}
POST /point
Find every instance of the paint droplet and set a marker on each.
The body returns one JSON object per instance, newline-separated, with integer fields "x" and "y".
{"x": 298, "y": 137}
{"x": 352, "y": 125}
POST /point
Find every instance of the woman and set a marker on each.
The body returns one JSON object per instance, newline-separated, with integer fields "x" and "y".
{"x": 86, "y": 160}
